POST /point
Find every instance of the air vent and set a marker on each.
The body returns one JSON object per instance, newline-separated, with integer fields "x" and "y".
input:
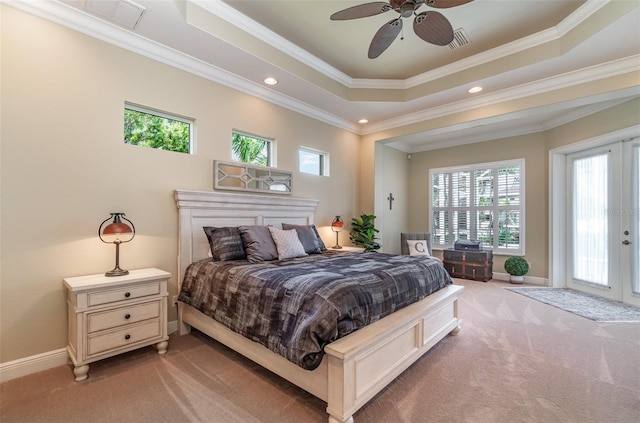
{"x": 460, "y": 38}
{"x": 122, "y": 12}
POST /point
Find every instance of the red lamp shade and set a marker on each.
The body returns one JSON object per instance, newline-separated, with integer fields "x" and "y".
{"x": 117, "y": 227}
{"x": 337, "y": 225}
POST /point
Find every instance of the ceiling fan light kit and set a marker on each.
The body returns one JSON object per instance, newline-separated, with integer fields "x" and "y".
{"x": 433, "y": 27}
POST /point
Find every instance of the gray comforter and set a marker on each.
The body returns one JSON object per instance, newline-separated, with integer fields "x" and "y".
{"x": 296, "y": 307}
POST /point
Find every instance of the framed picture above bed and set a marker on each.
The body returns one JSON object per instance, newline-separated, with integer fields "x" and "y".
{"x": 238, "y": 176}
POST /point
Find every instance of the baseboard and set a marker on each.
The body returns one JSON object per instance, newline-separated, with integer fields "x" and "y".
{"x": 172, "y": 327}
{"x": 534, "y": 280}
{"x": 39, "y": 362}
{"x": 36, "y": 363}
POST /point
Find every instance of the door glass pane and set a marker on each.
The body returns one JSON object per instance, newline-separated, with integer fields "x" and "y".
{"x": 590, "y": 220}
{"x": 635, "y": 218}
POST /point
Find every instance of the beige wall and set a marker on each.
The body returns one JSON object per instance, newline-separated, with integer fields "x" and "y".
{"x": 392, "y": 177}
{"x": 65, "y": 167}
{"x": 532, "y": 148}
{"x": 625, "y": 115}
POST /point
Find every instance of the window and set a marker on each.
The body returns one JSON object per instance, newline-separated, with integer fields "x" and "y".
{"x": 251, "y": 149}
{"x": 313, "y": 161}
{"x": 484, "y": 202}
{"x": 157, "y": 130}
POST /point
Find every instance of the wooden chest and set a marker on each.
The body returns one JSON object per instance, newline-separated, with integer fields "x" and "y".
{"x": 476, "y": 265}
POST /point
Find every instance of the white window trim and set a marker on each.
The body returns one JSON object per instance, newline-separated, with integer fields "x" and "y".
{"x": 522, "y": 207}
{"x": 183, "y": 119}
{"x": 325, "y": 162}
{"x": 271, "y": 142}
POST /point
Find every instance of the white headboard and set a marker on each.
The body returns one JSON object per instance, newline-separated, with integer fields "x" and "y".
{"x": 197, "y": 209}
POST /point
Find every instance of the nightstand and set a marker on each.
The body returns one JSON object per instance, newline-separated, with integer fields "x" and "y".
{"x": 111, "y": 315}
{"x": 348, "y": 249}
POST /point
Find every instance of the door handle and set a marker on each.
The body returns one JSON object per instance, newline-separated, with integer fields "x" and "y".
{"x": 626, "y": 242}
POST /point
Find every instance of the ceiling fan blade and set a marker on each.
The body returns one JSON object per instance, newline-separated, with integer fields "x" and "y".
{"x": 361, "y": 11}
{"x": 384, "y": 37}
{"x": 445, "y": 4}
{"x": 434, "y": 28}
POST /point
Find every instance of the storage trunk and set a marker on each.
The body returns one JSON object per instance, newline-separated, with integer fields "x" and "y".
{"x": 476, "y": 265}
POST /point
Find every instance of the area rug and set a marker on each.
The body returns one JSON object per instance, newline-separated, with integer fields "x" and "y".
{"x": 585, "y": 305}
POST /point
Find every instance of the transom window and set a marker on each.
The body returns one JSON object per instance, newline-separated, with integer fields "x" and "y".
{"x": 159, "y": 130}
{"x": 483, "y": 202}
{"x": 253, "y": 149}
{"x": 313, "y": 161}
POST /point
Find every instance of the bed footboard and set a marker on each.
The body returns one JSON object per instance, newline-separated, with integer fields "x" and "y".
{"x": 363, "y": 363}
{"x": 358, "y": 366}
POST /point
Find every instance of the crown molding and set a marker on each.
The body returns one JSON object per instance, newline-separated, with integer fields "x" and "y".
{"x": 569, "y": 79}
{"x": 517, "y": 46}
{"x": 259, "y": 31}
{"x": 90, "y": 25}
{"x": 95, "y": 27}
{"x": 520, "y": 130}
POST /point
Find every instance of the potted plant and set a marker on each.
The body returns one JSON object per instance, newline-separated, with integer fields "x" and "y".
{"x": 363, "y": 232}
{"x": 517, "y": 267}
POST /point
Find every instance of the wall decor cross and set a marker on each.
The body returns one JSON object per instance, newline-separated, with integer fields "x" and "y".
{"x": 390, "y": 198}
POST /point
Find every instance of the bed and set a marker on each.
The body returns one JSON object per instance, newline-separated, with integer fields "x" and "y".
{"x": 353, "y": 368}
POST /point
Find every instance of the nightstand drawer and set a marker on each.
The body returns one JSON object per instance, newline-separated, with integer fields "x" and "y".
{"x": 123, "y": 316}
{"x": 126, "y": 336}
{"x": 125, "y": 293}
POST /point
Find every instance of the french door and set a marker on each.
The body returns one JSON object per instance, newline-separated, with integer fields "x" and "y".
{"x": 603, "y": 230}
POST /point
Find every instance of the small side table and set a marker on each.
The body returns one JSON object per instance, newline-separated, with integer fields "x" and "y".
{"x": 347, "y": 249}
{"x": 111, "y": 315}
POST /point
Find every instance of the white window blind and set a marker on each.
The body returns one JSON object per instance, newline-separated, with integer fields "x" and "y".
{"x": 483, "y": 202}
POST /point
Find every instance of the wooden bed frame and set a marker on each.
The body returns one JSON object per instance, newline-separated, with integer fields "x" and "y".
{"x": 355, "y": 368}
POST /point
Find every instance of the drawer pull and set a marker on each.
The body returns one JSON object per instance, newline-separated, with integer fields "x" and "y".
{"x": 127, "y": 316}
{"x": 127, "y": 294}
{"x": 127, "y": 337}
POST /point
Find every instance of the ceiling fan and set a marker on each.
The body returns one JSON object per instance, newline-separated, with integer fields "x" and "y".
{"x": 431, "y": 26}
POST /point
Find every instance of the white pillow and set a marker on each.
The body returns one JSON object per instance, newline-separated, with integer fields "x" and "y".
{"x": 418, "y": 247}
{"x": 287, "y": 243}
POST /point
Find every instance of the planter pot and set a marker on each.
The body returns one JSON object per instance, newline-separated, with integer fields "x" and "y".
{"x": 516, "y": 279}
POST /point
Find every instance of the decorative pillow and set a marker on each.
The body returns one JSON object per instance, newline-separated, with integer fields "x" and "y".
{"x": 308, "y": 236}
{"x": 418, "y": 247}
{"x": 258, "y": 244}
{"x": 322, "y": 246}
{"x": 225, "y": 243}
{"x": 287, "y": 243}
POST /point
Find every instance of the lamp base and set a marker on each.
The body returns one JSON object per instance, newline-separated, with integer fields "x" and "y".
{"x": 337, "y": 247}
{"x": 117, "y": 272}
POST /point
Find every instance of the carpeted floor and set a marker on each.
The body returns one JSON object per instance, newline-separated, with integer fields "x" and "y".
{"x": 516, "y": 360}
{"x": 595, "y": 308}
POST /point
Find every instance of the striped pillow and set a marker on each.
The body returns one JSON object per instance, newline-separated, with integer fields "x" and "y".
{"x": 225, "y": 243}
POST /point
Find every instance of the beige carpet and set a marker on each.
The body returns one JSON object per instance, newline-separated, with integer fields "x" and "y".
{"x": 516, "y": 360}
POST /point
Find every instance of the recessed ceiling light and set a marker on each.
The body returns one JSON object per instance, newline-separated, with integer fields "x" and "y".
{"x": 270, "y": 81}
{"x": 474, "y": 90}
{"x": 363, "y": 121}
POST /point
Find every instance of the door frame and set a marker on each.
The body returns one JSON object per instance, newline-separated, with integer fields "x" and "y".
{"x": 630, "y": 207}
{"x": 613, "y": 289}
{"x": 558, "y": 196}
